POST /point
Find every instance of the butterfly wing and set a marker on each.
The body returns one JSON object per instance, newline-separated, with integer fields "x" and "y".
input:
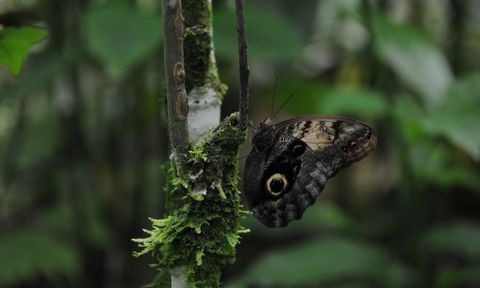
{"x": 300, "y": 154}
{"x": 321, "y": 132}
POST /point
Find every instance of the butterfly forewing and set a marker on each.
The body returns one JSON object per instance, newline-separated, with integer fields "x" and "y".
{"x": 318, "y": 132}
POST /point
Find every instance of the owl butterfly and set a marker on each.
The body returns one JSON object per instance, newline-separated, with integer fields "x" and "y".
{"x": 290, "y": 163}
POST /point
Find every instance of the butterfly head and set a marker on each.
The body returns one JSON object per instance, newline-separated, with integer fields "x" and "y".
{"x": 265, "y": 124}
{"x": 356, "y": 142}
{"x": 262, "y": 136}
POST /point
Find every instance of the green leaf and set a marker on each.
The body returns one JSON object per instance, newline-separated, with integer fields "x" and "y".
{"x": 15, "y": 44}
{"x": 432, "y": 161}
{"x": 417, "y": 61}
{"x": 313, "y": 97}
{"x": 457, "y": 116}
{"x": 356, "y": 101}
{"x": 121, "y": 36}
{"x": 29, "y": 253}
{"x": 323, "y": 260}
{"x": 307, "y": 95}
{"x": 459, "y": 238}
{"x": 409, "y": 114}
{"x": 458, "y": 128}
{"x": 270, "y": 35}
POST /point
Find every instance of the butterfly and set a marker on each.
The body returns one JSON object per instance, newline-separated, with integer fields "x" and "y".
{"x": 291, "y": 161}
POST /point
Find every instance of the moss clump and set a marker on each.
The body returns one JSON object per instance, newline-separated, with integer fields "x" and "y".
{"x": 197, "y": 42}
{"x": 197, "y": 56}
{"x": 202, "y": 234}
{"x": 196, "y": 12}
{"x": 197, "y": 47}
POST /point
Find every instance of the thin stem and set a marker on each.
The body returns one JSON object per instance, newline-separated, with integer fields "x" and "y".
{"x": 243, "y": 63}
{"x": 177, "y": 99}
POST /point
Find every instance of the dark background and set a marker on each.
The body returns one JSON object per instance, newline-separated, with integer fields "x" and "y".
{"x": 83, "y": 140}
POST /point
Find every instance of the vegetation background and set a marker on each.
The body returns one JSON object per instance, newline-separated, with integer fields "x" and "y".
{"x": 83, "y": 139}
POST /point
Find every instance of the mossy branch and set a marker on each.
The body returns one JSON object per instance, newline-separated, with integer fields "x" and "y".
{"x": 200, "y": 63}
{"x": 202, "y": 234}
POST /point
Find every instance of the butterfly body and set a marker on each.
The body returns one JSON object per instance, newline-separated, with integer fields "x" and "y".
{"x": 290, "y": 163}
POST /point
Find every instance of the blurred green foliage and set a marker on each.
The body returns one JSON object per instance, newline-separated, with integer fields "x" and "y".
{"x": 416, "y": 61}
{"x": 333, "y": 258}
{"x": 102, "y": 24}
{"x": 15, "y": 43}
{"x": 27, "y": 253}
{"x": 83, "y": 140}
{"x": 261, "y": 39}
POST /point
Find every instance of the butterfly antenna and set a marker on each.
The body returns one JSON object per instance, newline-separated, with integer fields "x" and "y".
{"x": 283, "y": 105}
{"x": 274, "y": 91}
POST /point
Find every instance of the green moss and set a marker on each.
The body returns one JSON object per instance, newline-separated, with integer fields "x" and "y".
{"x": 202, "y": 234}
{"x": 199, "y": 70}
{"x": 196, "y": 13}
{"x": 197, "y": 46}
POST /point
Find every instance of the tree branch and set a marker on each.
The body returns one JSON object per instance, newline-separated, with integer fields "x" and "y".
{"x": 243, "y": 63}
{"x": 177, "y": 99}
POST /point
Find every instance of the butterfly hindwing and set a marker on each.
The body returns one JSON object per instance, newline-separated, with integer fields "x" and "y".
{"x": 291, "y": 161}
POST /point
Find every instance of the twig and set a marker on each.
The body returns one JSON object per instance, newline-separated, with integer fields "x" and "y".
{"x": 177, "y": 100}
{"x": 243, "y": 63}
